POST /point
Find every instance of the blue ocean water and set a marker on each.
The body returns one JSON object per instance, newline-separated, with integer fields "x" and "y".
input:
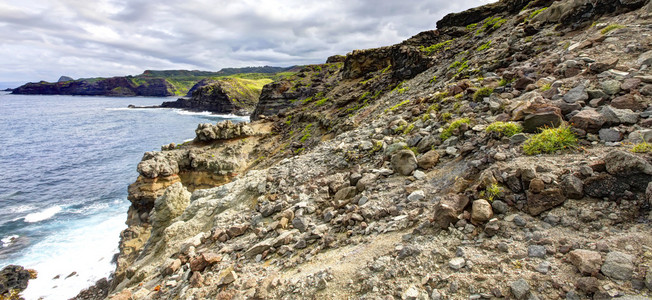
{"x": 65, "y": 164}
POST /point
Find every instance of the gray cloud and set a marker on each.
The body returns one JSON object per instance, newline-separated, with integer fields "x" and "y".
{"x": 43, "y": 39}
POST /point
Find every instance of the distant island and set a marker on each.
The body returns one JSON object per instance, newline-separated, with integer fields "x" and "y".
{"x": 151, "y": 83}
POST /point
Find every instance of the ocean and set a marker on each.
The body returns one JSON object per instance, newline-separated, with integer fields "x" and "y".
{"x": 65, "y": 164}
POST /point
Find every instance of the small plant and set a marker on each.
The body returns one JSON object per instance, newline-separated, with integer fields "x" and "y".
{"x": 448, "y": 132}
{"x": 481, "y": 93}
{"x": 506, "y": 129}
{"x": 393, "y": 108}
{"x": 433, "y": 108}
{"x": 546, "y": 87}
{"x": 504, "y": 82}
{"x": 493, "y": 191}
{"x": 484, "y": 46}
{"x": 550, "y": 140}
{"x": 535, "y": 13}
{"x": 288, "y": 122}
{"x": 643, "y": 147}
{"x": 377, "y": 146}
{"x": 321, "y": 102}
{"x": 400, "y": 89}
{"x": 445, "y": 116}
{"x": 471, "y": 26}
{"x": 610, "y": 28}
{"x": 430, "y": 50}
{"x": 433, "y": 80}
{"x": 385, "y": 70}
{"x": 408, "y": 129}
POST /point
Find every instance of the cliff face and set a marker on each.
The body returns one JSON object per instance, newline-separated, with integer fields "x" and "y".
{"x": 223, "y": 96}
{"x": 115, "y": 86}
{"x": 502, "y": 157}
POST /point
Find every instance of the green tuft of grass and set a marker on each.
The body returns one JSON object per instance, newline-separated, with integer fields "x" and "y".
{"x": 506, "y": 129}
{"x": 484, "y": 46}
{"x": 408, "y": 129}
{"x": 321, "y": 102}
{"x": 492, "y": 192}
{"x": 445, "y": 116}
{"x": 550, "y": 140}
{"x": 398, "y": 105}
{"x": 535, "y": 13}
{"x": 611, "y": 27}
{"x": 481, "y": 93}
{"x": 643, "y": 147}
{"x": 448, "y": 132}
{"x": 546, "y": 87}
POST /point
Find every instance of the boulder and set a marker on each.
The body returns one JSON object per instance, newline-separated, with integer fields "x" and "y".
{"x": 14, "y": 278}
{"x": 611, "y": 87}
{"x": 170, "y": 205}
{"x": 428, "y": 160}
{"x": 225, "y": 130}
{"x": 577, "y": 93}
{"x": 155, "y": 164}
{"x": 404, "y": 162}
{"x": 586, "y": 261}
{"x": 617, "y": 116}
{"x": 520, "y": 288}
{"x": 588, "y": 120}
{"x": 610, "y": 135}
{"x": 618, "y": 266}
{"x": 621, "y": 163}
{"x": 481, "y": 211}
{"x": 449, "y": 208}
{"x": 572, "y": 187}
{"x": 532, "y": 122}
{"x": 627, "y": 102}
{"x": 545, "y": 200}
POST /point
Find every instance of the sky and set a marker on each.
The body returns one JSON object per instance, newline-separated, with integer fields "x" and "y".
{"x": 44, "y": 39}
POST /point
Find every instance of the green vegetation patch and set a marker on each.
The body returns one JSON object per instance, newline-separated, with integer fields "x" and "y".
{"x": 481, "y": 93}
{"x": 611, "y": 27}
{"x": 484, "y": 46}
{"x": 400, "y": 89}
{"x": 506, "y": 129}
{"x": 448, "y": 132}
{"x": 535, "y": 13}
{"x": 430, "y": 50}
{"x": 550, "y": 140}
{"x": 643, "y": 147}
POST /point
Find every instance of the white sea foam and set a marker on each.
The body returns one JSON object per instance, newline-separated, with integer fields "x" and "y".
{"x": 210, "y": 114}
{"x": 43, "y": 215}
{"x": 7, "y": 241}
{"x": 84, "y": 246}
{"x": 21, "y": 208}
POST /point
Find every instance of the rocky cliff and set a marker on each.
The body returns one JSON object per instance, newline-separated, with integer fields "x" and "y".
{"x": 504, "y": 155}
{"x": 114, "y": 87}
{"x": 221, "y": 96}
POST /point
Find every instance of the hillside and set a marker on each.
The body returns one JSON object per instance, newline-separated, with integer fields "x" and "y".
{"x": 149, "y": 83}
{"x": 505, "y": 155}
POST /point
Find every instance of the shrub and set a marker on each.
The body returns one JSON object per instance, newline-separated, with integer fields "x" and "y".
{"x": 448, "y": 132}
{"x": 504, "y": 82}
{"x": 493, "y": 191}
{"x": 507, "y": 129}
{"x": 610, "y": 28}
{"x": 550, "y": 140}
{"x": 546, "y": 87}
{"x": 481, "y": 93}
{"x": 643, "y": 147}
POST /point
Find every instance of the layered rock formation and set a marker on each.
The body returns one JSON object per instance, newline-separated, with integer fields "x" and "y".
{"x": 115, "y": 87}
{"x": 503, "y": 156}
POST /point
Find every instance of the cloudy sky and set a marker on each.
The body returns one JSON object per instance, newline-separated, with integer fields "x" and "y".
{"x": 44, "y": 39}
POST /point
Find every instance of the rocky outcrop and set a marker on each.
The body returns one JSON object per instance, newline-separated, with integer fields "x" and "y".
{"x": 14, "y": 280}
{"x": 227, "y": 96}
{"x": 115, "y": 86}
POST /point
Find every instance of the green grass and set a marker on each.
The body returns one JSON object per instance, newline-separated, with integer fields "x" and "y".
{"x": 611, "y": 27}
{"x": 550, "y": 140}
{"x": 535, "y": 13}
{"x": 484, "y": 46}
{"x": 481, "y": 93}
{"x": 506, "y": 129}
{"x": 448, "y": 132}
{"x": 321, "y": 102}
{"x": 393, "y": 108}
{"x": 643, "y": 147}
{"x": 400, "y": 89}
{"x": 460, "y": 65}
{"x": 492, "y": 191}
{"x": 504, "y": 82}
{"x": 432, "y": 49}
{"x": 546, "y": 87}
